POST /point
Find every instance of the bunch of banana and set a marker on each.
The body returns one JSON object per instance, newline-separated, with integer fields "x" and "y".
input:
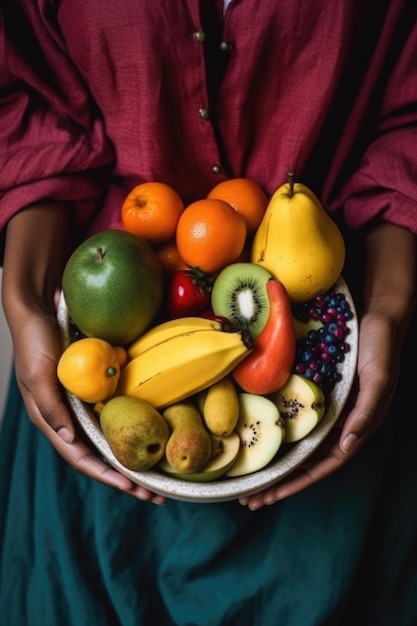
{"x": 183, "y": 363}
{"x": 166, "y": 330}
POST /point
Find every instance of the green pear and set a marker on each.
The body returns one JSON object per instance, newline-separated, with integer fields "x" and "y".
{"x": 299, "y": 243}
{"x": 135, "y": 431}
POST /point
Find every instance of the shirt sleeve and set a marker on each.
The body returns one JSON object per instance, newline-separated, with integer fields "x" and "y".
{"x": 52, "y": 140}
{"x": 384, "y": 186}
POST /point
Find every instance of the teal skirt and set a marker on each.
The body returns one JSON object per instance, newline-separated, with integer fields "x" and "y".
{"x": 77, "y": 553}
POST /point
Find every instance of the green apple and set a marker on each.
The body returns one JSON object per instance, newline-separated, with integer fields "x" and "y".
{"x": 112, "y": 285}
{"x": 224, "y": 452}
{"x": 301, "y": 404}
{"x": 261, "y": 434}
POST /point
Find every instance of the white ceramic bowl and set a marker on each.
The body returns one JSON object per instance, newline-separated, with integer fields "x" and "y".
{"x": 226, "y": 488}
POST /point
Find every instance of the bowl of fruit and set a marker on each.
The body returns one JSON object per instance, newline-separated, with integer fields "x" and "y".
{"x": 210, "y": 405}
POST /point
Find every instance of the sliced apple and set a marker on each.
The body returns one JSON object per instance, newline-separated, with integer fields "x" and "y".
{"x": 224, "y": 453}
{"x": 301, "y": 404}
{"x": 260, "y": 431}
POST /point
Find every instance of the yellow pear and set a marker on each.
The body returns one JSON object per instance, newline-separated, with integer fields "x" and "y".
{"x": 298, "y": 242}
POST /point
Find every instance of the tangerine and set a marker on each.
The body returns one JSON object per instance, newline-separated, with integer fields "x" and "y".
{"x": 90, "y": 369}
{"x": 169, "y": 257}
{"x": 151, "y": 210}
{"x": 246, "y": 197}
{"x": 210, "y": 235}
{"x": 121, "y": 355}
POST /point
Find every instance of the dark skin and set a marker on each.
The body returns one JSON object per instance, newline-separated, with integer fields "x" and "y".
{"x": 31, "y": 279}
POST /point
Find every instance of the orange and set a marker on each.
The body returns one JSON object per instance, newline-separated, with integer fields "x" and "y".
{"x": 246, "y": 197}
{"x": 90, "y": 369}
{"x": 169, "y": 257}
{"x": 151, "y": 210}
{"x": 210, "y": 235}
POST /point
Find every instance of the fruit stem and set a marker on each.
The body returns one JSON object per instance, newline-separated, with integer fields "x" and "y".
{"x": 203, "y": 280}
{"x": 100, "y": 252}
{"x": 247, "y": 340}
{"x": 290, "y": 178}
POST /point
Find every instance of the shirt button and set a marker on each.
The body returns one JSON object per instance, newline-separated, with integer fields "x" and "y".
{"x": 216, "y": 169}
{"x": 225, "y": 46}
{"x": 204, "y": 113}
{"x": 199, "y": 36}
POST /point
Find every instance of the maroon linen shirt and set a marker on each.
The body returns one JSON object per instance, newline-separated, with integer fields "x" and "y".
{"x": 97, "y": 96}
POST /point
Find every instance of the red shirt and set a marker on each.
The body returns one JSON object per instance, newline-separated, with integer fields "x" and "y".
{"x": 97, "y": 96}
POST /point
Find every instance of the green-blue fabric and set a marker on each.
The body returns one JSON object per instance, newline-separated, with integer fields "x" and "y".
{"x": 74, "y": 552}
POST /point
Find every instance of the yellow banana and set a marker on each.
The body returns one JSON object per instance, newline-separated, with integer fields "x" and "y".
{"x": 182, "y": 365}
{"x": 220, "y": 407}
{"x": 169, "y": 329}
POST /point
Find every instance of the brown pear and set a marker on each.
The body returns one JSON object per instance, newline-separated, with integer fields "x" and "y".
{"x": 189, "y": 445}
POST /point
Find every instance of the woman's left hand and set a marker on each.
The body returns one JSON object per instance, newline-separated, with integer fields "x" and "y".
{"x": 389, "y": 299}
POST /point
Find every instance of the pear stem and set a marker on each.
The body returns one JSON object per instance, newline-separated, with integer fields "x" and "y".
{"x": 290, "y": 178}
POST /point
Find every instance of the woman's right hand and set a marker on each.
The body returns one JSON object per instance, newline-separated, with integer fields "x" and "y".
{"x": 35, "y": 253}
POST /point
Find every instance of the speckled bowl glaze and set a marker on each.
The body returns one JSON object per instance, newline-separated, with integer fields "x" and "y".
{"x": 287, "y": 460}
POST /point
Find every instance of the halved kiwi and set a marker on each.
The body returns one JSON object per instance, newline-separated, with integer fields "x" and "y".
{"x": 239, "y": 294}
{"x": 261, "y": 434}
{"x": 301, "y": 404}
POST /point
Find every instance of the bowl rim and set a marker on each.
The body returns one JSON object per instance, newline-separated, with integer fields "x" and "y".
{"x": 224, "y": 489}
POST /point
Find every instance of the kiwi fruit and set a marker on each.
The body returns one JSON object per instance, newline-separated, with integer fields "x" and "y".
{"x": 301, "y": 404}
{"x": 261, "y": 434}
{"x": 239, "y": 294}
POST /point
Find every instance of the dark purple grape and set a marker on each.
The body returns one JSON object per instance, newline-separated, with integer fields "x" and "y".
{"x": 320, "y": 353}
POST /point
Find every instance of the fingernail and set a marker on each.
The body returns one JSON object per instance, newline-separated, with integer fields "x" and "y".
{"x": 158, "y": 501}
{"x": 349, "y": 442}
{"x": 65, "y": 435}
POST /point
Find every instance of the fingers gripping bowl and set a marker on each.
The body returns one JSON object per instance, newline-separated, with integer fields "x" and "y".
{"x": 289, "y": 457}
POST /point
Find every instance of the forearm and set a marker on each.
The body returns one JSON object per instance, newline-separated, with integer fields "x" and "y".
{"x": 389, "y": 287}
{"x": 35, "y": 253}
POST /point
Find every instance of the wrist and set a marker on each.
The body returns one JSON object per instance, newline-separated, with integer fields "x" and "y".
{"x": 36, "y": 250}
{"x": 390, "y": 273}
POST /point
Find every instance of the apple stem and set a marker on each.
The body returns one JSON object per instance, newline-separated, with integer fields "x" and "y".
{"x": 290, "y": 178}
{"x": 100, "y": 254}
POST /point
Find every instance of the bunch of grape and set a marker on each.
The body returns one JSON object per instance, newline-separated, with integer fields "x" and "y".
{"x": 323, "y": 349}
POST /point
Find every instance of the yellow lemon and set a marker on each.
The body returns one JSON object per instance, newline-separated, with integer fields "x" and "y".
{"x": 90, "y": 369}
